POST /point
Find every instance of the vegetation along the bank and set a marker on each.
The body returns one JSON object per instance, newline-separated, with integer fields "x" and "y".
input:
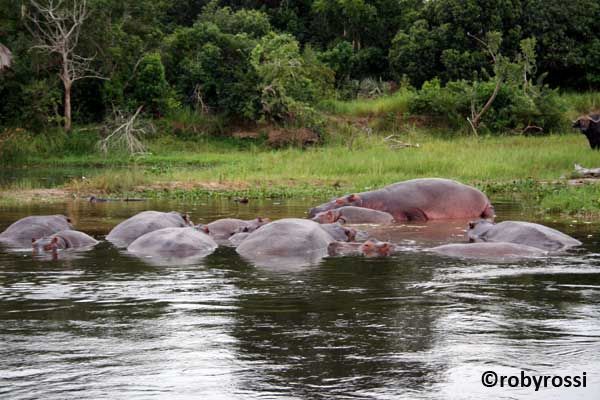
{"x": 308, "y": 97}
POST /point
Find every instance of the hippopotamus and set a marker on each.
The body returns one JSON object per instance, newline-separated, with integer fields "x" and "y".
{"x": 419, "y": 200}
{"x": 22, "y": 231}
{"x": 370, "y": 248}
{"x": 353, "y": 215}
{"x": 129, "y": 230}
{"x": 496, "y": 251}
{"x": 238, "y": 238}
{"x": 179, "y": 242}
{"x": 289, "y": 242}
{"x": 525, "y": 233}
{"x": 344, "y": 234}
{"x": 224, "y": 228}
{"x": 67, "y": 239}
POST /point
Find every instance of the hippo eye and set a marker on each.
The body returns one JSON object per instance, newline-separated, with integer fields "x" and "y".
{"x": 471, "y": 225}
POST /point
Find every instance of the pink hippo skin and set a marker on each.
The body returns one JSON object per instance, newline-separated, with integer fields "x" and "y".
{"x": 419, "y": 200}
{"x": 22, "y": 231}
{"x": 370, "y": 248}
{"x": 354, "y": 215}
{"x": 67, "y": 239}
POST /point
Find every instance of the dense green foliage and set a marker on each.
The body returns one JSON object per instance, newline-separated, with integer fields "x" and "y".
{"x": 245, "y": 61}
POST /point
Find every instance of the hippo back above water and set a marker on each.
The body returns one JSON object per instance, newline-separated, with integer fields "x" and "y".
{"x": 67, "y": 239}
{"x": 419, "y": 200}
{"x": 179, "y": 242}
{"x": 490, "y": 251}
{"x": 129, "y": 230}
{"x": 288, "y": 242}
{"x": 525, "y": 233}
{"x": 24, "y": 230}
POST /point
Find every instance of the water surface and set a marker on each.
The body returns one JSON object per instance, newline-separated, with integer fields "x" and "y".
{"x": 416, "y": 326}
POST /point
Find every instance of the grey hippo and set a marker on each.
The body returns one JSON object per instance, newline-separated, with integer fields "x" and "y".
{"x": 67, "y": 239}
{"x": 419, "y": 200}
{"x": 370, "y": 248}
{"x": 353, "y": 215}
{"x": 21, "y": 232}
{"x": 178, "y": 242}
{"x": 525, "y": 233}
{"x": 286, "y": 242}
{"x": 495, "y": 251}
{"x": 132, "y": 228}
{"x": 227, "y": 227}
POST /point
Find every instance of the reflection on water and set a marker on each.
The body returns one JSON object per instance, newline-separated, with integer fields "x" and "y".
{"x": 108, "y": 325}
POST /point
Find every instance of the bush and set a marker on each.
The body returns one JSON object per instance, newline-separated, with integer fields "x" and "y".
{"x": 151, "y": 87}
{"x": 514, "y": 110}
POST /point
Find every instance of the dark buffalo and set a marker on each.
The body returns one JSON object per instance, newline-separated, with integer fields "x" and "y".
{"x": 589, "y": 125}
{"x": 24, "y": 230}
{"x": 419, "y": 200}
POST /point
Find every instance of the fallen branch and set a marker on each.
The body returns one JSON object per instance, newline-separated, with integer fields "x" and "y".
{"x": 395, "y": 144}
{"x": 126, "y": 135}
{"x": 587, "y": 172}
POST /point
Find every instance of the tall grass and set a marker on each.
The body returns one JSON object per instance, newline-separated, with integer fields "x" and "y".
{"x": 395, "y": 103}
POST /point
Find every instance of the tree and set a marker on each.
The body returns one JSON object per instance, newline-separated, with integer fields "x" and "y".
{"x": 5, "y": 57}
{"x": 57, "y": 28}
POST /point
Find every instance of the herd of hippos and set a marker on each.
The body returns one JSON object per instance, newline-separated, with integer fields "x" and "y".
{"x": 325, "y": 232}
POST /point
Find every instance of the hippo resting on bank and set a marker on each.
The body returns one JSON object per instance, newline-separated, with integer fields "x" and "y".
{"x": 353, "y": 215}
{"x": 175, "y": 242}
{"x": 370, "y": 248}
{"x": 524, "y": 233}
{"x": 419, "y": 200}
{"x": 22, "y": 231}
{"x": 67, "y": 239}
{"x": 286, "y": 242}
{"x": 495, "y": 251}
{"x": 129, "y": 230}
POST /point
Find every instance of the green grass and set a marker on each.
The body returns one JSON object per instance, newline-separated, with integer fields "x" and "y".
{"x": 395, "y": 103}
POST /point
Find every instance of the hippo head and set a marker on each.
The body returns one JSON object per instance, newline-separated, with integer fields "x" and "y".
{"x": 202, "y": 228}
{"x": 477, "y": 230}
{"x": 47, "y": 244}
{"x": 253, "y": 225}
{"x": 349, "y": 200}
{"x": 375, "y": 248}
{"x": 187, "y": 220}
{"x": 350, "y": 234}
{"x": 327, "y": 217}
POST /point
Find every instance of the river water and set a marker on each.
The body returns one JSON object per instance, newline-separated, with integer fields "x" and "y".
{"x": 103, "y": 324}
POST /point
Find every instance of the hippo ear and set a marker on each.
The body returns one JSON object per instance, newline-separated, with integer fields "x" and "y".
{"x": 55, "y": 239}
{"x": 259, "y": 219}
{"x": 205, "y": 229}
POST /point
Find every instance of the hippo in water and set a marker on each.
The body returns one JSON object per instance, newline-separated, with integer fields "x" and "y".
{"x": 22, "y": 231}
{"x": 127, "y": 231}
{"x": 370, "y": 248}
{"x": 419, "y": 200}
{"x": 227, "y": 227}
{"x": 286, "y": 242}
{"x": 494, "y": 251}
{"x": 177, "y": 242}
{"x": 353, "y": 215}
{"x": 67, "y": 239}
{"x": 344, "y": 234}
{"x": 525, "y": 233}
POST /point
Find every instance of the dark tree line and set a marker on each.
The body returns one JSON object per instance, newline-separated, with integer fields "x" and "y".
{"x": 272, "y": 59}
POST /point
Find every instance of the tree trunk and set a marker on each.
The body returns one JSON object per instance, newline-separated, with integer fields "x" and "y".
{"x": 67, "y": 106}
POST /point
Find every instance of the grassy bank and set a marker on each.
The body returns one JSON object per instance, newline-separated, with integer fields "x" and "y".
{"x": 501, "y": 166}
{"x": 355, "y": 156}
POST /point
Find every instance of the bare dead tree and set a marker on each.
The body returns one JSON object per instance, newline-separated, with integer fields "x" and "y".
{"x": 492, "y": 46}
{"x": 125, "y": 133}
{"x": 5, "y": 57}
{"x": 56, "y": 26}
